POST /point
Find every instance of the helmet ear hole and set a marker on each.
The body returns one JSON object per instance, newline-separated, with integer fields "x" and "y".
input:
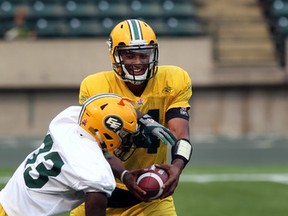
{"x": 92, "y": 130}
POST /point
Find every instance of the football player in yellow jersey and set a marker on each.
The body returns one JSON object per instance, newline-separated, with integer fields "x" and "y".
{"x": 159, "y": 92}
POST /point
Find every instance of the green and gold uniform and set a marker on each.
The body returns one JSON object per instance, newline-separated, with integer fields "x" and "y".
{"x": 170, "y": 88}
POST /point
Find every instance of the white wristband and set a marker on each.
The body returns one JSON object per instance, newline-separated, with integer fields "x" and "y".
{"x": 184, "y": 149}
{"x": 122, "y": 175}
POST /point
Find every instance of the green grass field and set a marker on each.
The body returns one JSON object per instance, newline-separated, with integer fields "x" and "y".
{"x": 237, "y": 198}
{"x": 224, "y": 197}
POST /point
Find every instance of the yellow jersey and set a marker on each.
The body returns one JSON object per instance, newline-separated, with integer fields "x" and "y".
{"x": 170, "y": 88}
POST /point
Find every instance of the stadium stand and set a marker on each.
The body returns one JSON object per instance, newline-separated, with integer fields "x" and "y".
{"x": 86, "y": 28}
{"x": 50, "y": 28}
{"x": 40, "y": 78}
{"x": 75, "y": 18}
{"x": 113, "y": 9}
{"x": 259, "y": 40}
{"x": 80, "y": 9}
{"x": 276, "y": 13}
{"x": 45, "y": 9}
{"x": 240, "y": 32}
{"x": 7, "y": 9}
{"x": 178, "y": 8}
{"x": 145, "y": 9}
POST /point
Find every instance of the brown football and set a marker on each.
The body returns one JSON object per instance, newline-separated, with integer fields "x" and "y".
{"x": 152, "y": 182}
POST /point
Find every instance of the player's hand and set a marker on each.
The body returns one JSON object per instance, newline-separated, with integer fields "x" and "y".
{"x": 150, "y": 127}
{"x": 130, "y": 179}
{"x": 172, "y": 182}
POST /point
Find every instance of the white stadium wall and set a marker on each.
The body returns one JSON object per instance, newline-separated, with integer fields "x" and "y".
{"x": 40, "y": 78}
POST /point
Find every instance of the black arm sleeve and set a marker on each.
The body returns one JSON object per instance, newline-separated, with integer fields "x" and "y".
{"x": 181, "y": 112}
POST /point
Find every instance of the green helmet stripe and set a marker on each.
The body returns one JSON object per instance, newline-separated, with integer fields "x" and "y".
{"x": 135, "y": 29}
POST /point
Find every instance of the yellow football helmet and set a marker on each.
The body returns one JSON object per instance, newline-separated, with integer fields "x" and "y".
{"x": 109, "y": 118}
{"x": 129, "y": 37}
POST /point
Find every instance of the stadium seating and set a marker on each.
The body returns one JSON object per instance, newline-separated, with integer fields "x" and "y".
{"x": 177, "y": 27}
{"x": 279, "y": 8}
{"x": 80, "y": 9}
{"x": 276, "y": 12}
{"x": 7, "y": 9}
{"x": 46, "y": 9}
{"x": 182, "y": 27}
{"x": 178, "y": 8}
{"x": 113, "y": 9}
{"x": 84, "y": 28}
{"x": 145, "y": 9}
{"x": 46, "y": 28}
{"x": 90, "y": 18}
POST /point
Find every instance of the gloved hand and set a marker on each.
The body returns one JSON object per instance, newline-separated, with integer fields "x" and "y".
{"x": 149, "y": 127}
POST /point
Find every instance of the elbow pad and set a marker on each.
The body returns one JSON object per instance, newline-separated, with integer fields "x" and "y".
{"x": 183, "y": 150}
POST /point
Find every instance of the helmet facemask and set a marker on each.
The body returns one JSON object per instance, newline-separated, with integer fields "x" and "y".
{"x": 134, "y": 36}
{"x": 127, "y": 147}
{"x": 135, "y": 64}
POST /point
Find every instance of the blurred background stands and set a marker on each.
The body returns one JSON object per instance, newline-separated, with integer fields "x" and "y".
{"x": 240, "y": 89}
{"x": 245, "y": 32}
{"x": 276, "y": 14}
{"x": 92, "y": 18}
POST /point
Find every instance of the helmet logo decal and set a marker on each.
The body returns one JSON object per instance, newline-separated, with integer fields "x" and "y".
{"x": 167, "y": 90}
{"x": 84, "y": 122}
{"x": 135, "y": 29}
{"x": 113, "y": 123}
{"x": 140, "y": 102}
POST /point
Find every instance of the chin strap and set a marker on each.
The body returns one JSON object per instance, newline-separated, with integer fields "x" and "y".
{"x": 182, "y": 149}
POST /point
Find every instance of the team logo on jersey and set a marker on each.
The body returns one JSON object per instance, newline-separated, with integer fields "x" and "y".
{"x": 167, "y": 90}
{"x": 83, "y": 98}
{"x": 184, "y": 111}
{"x": 140, "y": 102}
{"x": 113, "y": 123}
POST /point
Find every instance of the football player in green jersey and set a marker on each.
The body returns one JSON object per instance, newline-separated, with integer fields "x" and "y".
{"x": 162, "y": 93}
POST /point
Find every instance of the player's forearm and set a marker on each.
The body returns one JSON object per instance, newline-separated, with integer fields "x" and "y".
{"x": 182, "y": 149}
{"x": 179, "y": 163}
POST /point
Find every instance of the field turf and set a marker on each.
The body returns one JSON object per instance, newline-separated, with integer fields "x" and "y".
{"x": 203, "y": 191}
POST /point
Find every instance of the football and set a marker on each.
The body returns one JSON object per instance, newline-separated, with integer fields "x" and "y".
{"x": 152, "y": 182}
